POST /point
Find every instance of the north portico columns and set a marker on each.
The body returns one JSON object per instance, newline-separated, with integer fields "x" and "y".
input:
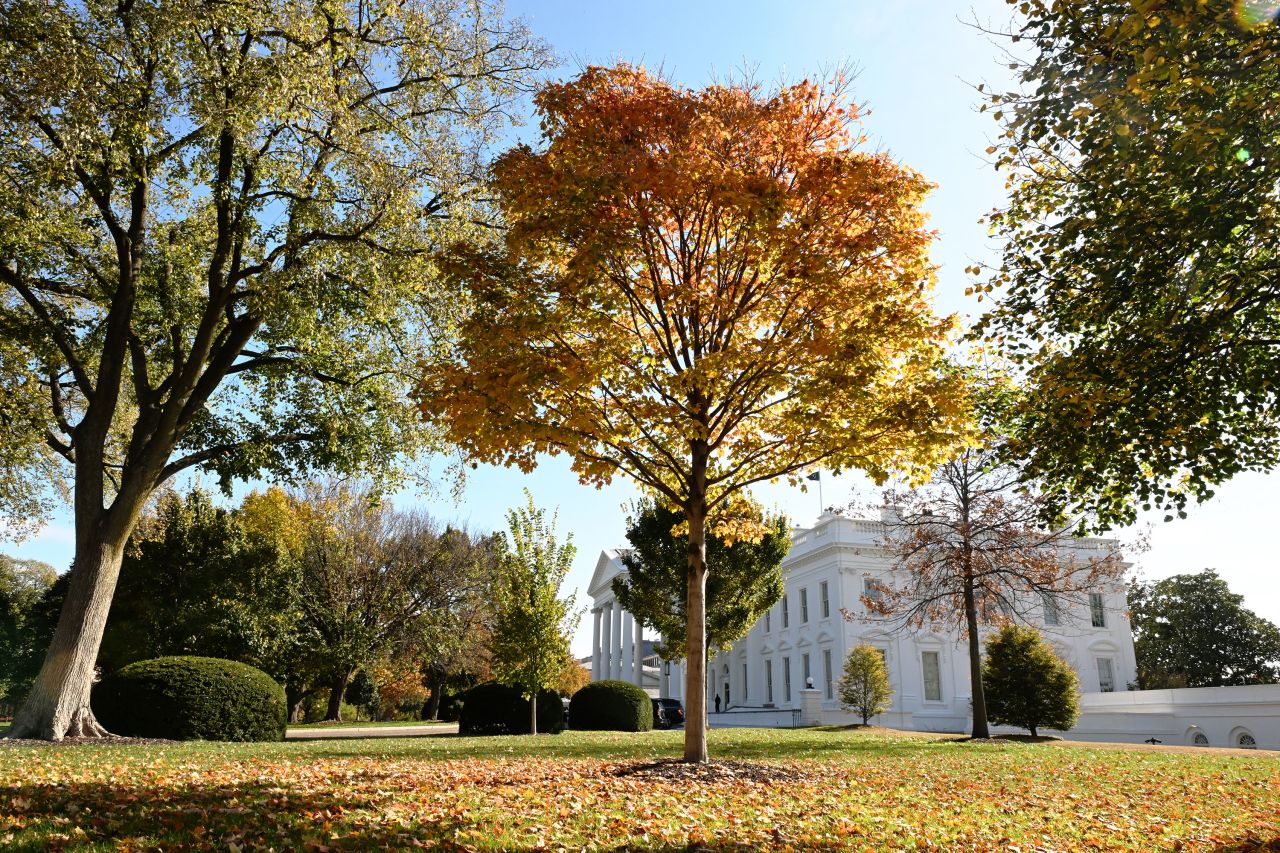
{"x": 615, "y": 639}
{"x": 596, "y": 614}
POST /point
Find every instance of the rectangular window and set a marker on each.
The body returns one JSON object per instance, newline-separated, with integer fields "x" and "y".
{"x": 786, "y": 615}
{"x": 826, "y": 670}
{"x": 825, "y": 598}
{"x": 768, "y": 682}
{"x": 804, "y": 605}
{"x": 804, "y": 668}
{"x": 768, "y": 620}
{"x": 744, "y": 684}
{"x": 932, "y": 667}
{"x": 1050, "y": 603}
{"x": 1096, "y": 611}
{"x": 786, "y": 679}
{"x": 1106, "y": 676}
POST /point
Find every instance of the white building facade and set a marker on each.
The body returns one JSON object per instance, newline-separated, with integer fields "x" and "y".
{"x": 821, "y": 616}
{"x": 761, "y": 680}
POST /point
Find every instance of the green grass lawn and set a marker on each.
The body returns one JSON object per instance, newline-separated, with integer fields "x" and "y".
{"x": 824, "y": 790}
{"x": 352, "y": 724}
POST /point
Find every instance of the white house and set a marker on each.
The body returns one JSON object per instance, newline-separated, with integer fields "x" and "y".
{"x": 808, "y": 633}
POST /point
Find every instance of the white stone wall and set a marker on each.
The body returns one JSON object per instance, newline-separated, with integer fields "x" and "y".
{"x": 843, "y": 553}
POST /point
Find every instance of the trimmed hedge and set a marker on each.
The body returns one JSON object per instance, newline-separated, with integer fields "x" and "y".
{"x": 191, "y": 698}
{"x": 499, "y": 709}
{"x": 611, "y": 706}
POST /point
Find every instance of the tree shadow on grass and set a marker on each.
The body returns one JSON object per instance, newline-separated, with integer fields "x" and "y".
{"x": 83, "y": 816}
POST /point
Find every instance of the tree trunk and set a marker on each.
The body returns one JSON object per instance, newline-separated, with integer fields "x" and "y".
{"x": 533, "y": 715}
{"x": 695, "y": 682}
{"x": 980, "y": 729}
{"x": 333, "y": 713}
{"x": 432, "y": 709}
{"x": 58, "y": 705}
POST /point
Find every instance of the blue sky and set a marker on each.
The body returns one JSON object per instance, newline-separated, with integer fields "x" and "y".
{"x": 918, "y": 62}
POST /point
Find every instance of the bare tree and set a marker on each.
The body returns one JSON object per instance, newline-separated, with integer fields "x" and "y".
{"x": 973, "y": 551}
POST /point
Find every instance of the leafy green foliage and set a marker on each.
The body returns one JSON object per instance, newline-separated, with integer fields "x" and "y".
{"x": 744, "y": 578}
{"x": 196, "y": 580}
{"x": 214, "y": 221}
{"x": 1140, "y": 280}
{"x": 500, "y": 709}
{"x": 611, "y": 705}
{"x": 362, "y": 691}
{"x": 1193, "y": 631}
{"x": 239, "y": 220}
{"x": 27, "y": 614}
{"x": 532, "y": 624}
{"x": 1026, "y": 684}
{"x": 864, "y": 687}
{"x": 192, "y": 698}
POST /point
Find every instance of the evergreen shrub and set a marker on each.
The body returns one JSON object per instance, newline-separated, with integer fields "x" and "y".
{"x": 499, "y": 709}
{"x": 1026, "y": 684}
{"x": 611, "y": 706}
{"x": 191, "y": 698}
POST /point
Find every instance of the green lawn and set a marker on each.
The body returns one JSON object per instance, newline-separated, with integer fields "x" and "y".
{"x": 834, "y": 790}
{"x": 352, "y": 724}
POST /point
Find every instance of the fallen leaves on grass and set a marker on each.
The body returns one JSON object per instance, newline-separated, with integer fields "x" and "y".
{"x": 923, "y": 796}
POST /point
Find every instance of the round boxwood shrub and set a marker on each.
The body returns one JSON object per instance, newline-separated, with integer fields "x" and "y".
{"x": 611, "y": 706}
{"x": 499, "y": 709}
{"x": 191, "y": 698}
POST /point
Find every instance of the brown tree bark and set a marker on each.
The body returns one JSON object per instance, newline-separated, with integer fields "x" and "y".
{"x": 533, "y": 714}
{"x": 980, "y": 728}
{"x": 695, "y": 682}
{"x": 333, "y": 714}
{"x": 431, "y": 711}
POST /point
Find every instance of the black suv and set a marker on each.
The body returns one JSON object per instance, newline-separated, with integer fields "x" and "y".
{"x": 667, "y": 713}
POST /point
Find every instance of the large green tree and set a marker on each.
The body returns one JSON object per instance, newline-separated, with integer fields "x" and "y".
{"x": 1140, "y": 284}
{"x": 368, "y": 574}
{"x": 744, "y": 578}
{"x": 532, "y": 624}
{"x": 24, "y": 623}
{"x": 1193, "y": 631}
{"x": 212, "y": 224}
{"x": 197, "y": 580}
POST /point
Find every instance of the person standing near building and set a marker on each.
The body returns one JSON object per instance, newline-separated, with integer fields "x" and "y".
{"x": 717, "y": 703}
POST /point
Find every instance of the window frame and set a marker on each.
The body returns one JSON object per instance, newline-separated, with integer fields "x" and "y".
{"x": 936, "y": 656}
{"x": 1108, "y": 686}
{"x": 824, "y": 599}
{"x": 1049, "y": 606}
{"x": 1097, "y": 610}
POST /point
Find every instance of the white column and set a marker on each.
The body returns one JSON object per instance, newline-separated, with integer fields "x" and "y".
{"x": 664, "y": 677}
{"x": 595, "y": 644}
{"x": 615, "y": 641}
{"x": 606, "y": 641}
{"x": 639, "y": 659}
{"x": 628, "y": 646}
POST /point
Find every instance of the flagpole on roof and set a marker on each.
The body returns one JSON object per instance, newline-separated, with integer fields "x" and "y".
{"x": 817, "y": 476}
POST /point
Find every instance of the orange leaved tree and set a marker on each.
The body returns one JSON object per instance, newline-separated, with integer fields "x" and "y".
{"x": 700, "y": 290}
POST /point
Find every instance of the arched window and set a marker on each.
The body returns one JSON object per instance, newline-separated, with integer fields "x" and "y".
{"x": 1246, "y": 741}
{"x": 1200, "y": 739}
